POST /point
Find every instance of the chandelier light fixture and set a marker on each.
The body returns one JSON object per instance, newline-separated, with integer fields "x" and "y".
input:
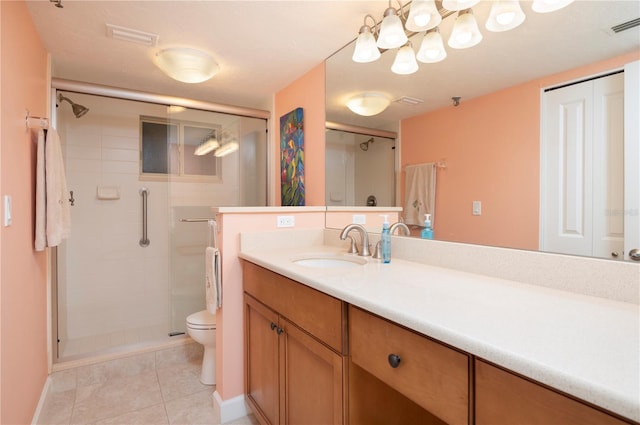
{"x": 423, "y": 16}
{"x": 186, "y": 64}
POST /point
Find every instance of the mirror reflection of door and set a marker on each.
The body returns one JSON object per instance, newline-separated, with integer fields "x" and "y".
{"x": 359, "y": 166}
{"x": 582, "y": 192}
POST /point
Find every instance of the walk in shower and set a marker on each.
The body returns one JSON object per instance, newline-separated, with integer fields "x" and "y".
{"x": 116, "y": 287}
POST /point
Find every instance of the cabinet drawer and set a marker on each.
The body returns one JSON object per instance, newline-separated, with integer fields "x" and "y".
{"x": 503, "y": 398}
{"x": 319, "y": 314}
{"x": 434, "y": 376}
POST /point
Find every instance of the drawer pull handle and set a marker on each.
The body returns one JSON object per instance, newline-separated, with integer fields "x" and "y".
{"x": 280, "y": 331}
{"x": 394, "y": 360}
{"x": 273, "y": 326}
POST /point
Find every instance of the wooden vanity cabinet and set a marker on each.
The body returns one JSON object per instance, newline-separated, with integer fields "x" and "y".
{"x": 294, "y": 343}
{"x": 503, "y": 398}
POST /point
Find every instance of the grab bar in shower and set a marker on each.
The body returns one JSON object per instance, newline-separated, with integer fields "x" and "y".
{"x": 144, "y": 242}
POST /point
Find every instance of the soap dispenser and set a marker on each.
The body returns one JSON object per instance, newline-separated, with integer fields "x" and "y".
{"x": 385, "y": 239}
{"x": 427, "y": 232}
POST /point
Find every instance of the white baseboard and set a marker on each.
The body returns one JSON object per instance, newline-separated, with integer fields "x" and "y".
{"x": 229, "y": 410}
{"x": 43, "y": 397}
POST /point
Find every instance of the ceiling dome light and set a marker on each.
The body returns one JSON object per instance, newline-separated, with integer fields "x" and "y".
{"x": 545, "y": 6}
{"x": 432, "y": 47}
{"x": 405, "y": 62}
{"x": 368, "y": 104}
{"x": 454, "y": 5}
{"x": 391, "y": 31}
{"x": 423, "y": 16}
{"x": 505, "y": 15}
{"x": 366, "y": 49}
{"x": 465, "y": 31}
{"x": 185, "y": 64}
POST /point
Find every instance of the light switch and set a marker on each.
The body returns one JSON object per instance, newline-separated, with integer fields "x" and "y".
{"x": 477, "y": 208}
{"x": 7, "y": 211}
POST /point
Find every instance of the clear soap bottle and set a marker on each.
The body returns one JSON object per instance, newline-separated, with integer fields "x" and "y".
{"x": 385, "y": 240}
{"x": 427, "y": 232}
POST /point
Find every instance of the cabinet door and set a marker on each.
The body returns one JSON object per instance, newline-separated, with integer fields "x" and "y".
{"x": 261, "y": 360}
{"x": 311, "y": 377}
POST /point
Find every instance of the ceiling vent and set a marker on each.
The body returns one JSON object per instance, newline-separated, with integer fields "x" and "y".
{"x": 625, "y": 25}
{"x": 127, "y": 34}
{"x": 411, "y": 101}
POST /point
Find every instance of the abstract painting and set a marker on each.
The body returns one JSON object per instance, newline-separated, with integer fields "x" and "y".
{"x": 292, "y": 158}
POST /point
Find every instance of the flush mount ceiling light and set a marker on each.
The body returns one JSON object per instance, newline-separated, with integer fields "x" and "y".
{"x": 366, "y": 49}
{"x": 505, "y": 15}
{"x": 465, "y": 32}
{"x": 185, "y": 64}
{"x": 368, "y": 104}
{"x": 423, "y": 16}
{"x": 545, "y": 6}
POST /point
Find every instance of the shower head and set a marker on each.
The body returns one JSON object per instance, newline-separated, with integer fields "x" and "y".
{"x": 365, "y": 145}
{"x": 78, "y": 110}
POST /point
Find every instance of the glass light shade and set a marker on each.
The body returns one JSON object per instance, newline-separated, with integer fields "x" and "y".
{"x": 505, "y": 15}
{"x": 186, "y": 65}
{"x": 465, "y": 31}
{"x": 405, "y": 62}
{"x": 545, "y": 6}
{"x": 391, "y": 31}
{"x": 423, "y": 16}
{"x": 368, "y": 104}
{"x": 432, "y": 47}
{"x": 454, "y": 5}
{"x": 226, "y": 149}
{"x": 366, "y": 49}
{"x": 206, "y": 146}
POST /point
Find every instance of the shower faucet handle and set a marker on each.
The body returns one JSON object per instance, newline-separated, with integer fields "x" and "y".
{"x": 72, "y": 201}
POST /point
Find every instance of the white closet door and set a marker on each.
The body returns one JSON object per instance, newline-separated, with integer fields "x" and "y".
{"x": 632, "y": 158}
{"x": 567, "y": 184}
{"x": 608, "y": 167}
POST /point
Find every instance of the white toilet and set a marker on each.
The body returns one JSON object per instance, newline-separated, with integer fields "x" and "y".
{"x": 201, "y": 327}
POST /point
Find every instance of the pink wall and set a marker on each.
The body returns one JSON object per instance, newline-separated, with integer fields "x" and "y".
{"x": 308, "y": 92}
{"x": 23, "y": 291}
{"x": 491, "y": 146}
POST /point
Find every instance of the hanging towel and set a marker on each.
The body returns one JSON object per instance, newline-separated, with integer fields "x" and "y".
{"x": 420, "y": 193}
{"x": 41, "y": 198}
{"x": 212, "y": 274}
{"x": 57, "y": 204}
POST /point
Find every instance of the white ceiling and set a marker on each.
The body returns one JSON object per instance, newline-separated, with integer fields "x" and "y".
{"x": 262, "y": 46}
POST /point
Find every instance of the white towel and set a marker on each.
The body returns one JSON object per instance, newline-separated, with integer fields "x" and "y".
{"x": 420, "y": 193}
{"x": 58, "y": 213}
{"x": 41, "y": 198}
{"x": 212, "y": 274}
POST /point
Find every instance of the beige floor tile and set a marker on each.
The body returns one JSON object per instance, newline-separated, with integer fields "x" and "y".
{"x": 116, "y": 397}
{"x": 154, "y": 415}
{"x": 180, "y": 381}
{"x": 195, "y": 409}
{"x": 115, "y": 369}
{"x": 57, "y": 408}
{"x": 246, "y": 420}
{"x": 180, "y": 355}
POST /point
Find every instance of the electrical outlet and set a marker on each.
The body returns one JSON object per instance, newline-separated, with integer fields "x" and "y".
{"x": 359, "y": 219}
{"x": 286, "y": 221}
{"x": 7, "y": 211}
{"x": 477, "y": 208}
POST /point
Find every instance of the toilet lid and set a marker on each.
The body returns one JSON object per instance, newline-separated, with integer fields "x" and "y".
{"x": 202, "y": 318}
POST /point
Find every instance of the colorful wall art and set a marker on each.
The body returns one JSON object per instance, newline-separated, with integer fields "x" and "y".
{"x": 292, "y": 158}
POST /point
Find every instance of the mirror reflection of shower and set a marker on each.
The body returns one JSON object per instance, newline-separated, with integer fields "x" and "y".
{"x": 365, "y": 145}
{"x": 78, "y": 110}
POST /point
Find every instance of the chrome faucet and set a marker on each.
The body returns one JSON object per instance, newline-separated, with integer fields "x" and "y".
{"x": 399, "y": 225}
{"x": 364, "y": 238}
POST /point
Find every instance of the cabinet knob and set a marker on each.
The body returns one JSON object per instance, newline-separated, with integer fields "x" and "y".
{"x": 273, "y": 326}
{"x": 394, "y": 360}
{"x": 280, "y": 331}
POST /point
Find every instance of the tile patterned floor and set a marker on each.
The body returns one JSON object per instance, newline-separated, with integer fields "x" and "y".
{"x": 159, "y": 388}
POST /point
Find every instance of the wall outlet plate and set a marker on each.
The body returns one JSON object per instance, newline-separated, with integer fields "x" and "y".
{"x": 359, "y": 219}
{"x": 477, "y": 208}
{"x": 286, "y": 221}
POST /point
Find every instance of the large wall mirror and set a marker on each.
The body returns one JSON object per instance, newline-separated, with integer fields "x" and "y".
{"x": 481, "y": 151}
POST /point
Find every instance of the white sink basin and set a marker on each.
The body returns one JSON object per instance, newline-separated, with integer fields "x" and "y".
{"x": 329, "y": 262}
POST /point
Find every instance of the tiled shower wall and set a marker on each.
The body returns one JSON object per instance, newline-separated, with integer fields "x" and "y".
{"x": 108, "y": 285}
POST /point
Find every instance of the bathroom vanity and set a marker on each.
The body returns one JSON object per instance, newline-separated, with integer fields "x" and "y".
{"x": 412, "y": 343}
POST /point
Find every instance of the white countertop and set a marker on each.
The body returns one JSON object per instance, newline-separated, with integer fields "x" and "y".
{"x": 583, "y": 345}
